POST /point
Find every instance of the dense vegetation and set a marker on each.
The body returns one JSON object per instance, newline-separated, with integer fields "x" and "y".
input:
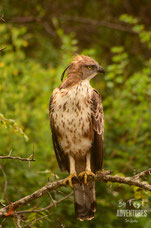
{"x": 41, "y": 38}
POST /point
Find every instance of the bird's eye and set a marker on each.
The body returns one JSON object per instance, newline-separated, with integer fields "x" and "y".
{"x": 89, "y": 67}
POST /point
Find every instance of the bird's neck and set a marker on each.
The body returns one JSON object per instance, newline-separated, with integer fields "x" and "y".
{"x": 70, "y": 81}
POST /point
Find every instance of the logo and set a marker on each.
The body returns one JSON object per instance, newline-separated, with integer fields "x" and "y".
{"x": 131, "y": 210}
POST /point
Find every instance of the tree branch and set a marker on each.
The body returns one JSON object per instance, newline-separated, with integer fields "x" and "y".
{"x": 101, "y": 23}
{"x": 29, "y": 159}
{"x": 101, "y": 176}
{"x": 46, "y": 208}
{"x": 18, "y": 221}
{"x": 76, "y": 19}
{"x": 142, "y": 174}
{"x": 124, "y": 180}
{"x": 30, "y": 19}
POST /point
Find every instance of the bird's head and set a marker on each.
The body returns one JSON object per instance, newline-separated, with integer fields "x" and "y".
{"x": 84, "y": 67}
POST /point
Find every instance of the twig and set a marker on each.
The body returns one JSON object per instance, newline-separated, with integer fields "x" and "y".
{"x": 26, "y": 19}
{"x": 2, "y": 18}
{"x": 27, "y": 224}
{"x": 29, "y": 159}
{"x": 102, "y": 176}
{"x": 18, "y": 221}
{"x": 5, "y": 185}
{"x": 142, "y": 174}
{"x": 46, "y": 208}
{"x": 23, "y": 221}
{"x": 53, "y": 201}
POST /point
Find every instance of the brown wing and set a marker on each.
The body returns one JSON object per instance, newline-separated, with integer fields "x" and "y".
{"x": 97, "y": 150}
{"x": 62, "y": 158}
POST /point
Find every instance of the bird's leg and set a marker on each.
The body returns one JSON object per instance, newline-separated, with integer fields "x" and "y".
{"x": 72, "y": 172}
{"x": 87, "y": 171}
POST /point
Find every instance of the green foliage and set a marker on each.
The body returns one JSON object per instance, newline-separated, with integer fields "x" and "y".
{"x": 128, "y": 19}
{"x": 127, "y": 109}
{"x": 26, "y": 85}
{"x": 11, "y": 123}
{"x": 144, "y": 35}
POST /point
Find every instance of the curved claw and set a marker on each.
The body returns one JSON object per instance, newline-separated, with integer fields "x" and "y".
{"x": 69, "y": 179}
{"x": 85, "y": 174}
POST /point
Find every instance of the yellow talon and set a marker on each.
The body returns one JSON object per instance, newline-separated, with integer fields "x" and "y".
{"x": 85, "y": 174}
{"x": 69, "y": 179}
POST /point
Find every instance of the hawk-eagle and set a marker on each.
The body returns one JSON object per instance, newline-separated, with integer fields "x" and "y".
{"x": 77, "y": 125}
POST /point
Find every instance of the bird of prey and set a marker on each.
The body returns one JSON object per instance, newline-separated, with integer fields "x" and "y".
{"x": 77, "y": 125}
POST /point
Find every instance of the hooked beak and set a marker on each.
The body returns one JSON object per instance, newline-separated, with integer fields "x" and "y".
{"x": 101, "y": 70}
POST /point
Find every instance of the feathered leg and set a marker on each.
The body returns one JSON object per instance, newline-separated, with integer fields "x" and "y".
{"x": 72, "y": 172}
{"x": 87, "y": 171}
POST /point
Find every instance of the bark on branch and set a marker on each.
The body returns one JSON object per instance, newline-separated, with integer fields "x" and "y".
{"x": 111, "y": 25}
{"x": 101, "y": 176}
{"x": 29, "y": 159}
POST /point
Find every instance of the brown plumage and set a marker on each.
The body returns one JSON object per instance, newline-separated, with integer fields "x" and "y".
{"x": 77, "y": 125}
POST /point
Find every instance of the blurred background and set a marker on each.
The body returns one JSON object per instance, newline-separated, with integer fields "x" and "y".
{"x": 41, "y": 38}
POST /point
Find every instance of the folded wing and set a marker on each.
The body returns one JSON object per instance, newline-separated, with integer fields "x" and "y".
{"x": 62, "y": 158}
{"x": 97, "y": 150}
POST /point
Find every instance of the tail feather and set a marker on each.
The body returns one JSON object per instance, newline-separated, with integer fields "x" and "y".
{"x": 85, "y": 200}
